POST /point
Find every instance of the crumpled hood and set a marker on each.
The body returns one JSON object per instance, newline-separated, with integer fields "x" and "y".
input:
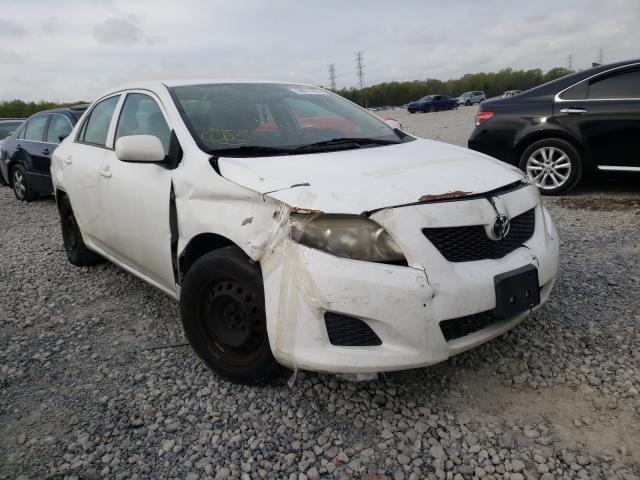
{"x": 364, "y": 179}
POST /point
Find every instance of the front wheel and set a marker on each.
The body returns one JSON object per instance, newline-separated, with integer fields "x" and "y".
{"x": 21, "y": 188}
{"x": 223, "y": 315}
{"x": 553, "y": 164}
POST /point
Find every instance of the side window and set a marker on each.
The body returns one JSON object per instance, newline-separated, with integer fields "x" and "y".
{"x": 59, "y": 127}
{"x": 141, "y": 115}
{"x": 96, "y": 126}
{"x": 577, "y": 92}
{"x": 622, "y": 85}
{"x": 35, "y": 128}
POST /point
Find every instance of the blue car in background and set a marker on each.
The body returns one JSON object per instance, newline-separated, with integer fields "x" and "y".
{"x": 25, "y": 157}
{"x": 432, "y": 103}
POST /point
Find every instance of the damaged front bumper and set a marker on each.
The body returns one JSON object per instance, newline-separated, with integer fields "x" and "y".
{"x": 404, "y": 306}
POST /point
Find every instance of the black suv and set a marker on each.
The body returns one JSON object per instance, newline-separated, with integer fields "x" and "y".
{"x": 25, "y": 157}
{"x": 589, "y": 119}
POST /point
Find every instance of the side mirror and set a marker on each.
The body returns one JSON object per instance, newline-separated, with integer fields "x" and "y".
{"x": 140, "y": 148}
{"x": 393, "y": 123}
{"x": 62, "y": 137}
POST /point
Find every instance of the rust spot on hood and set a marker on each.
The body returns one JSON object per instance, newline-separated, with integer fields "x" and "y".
{"x": 444, "y": 196}
{"x": 305, "y": 211}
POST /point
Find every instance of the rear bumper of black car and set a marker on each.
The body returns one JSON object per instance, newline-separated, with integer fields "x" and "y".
{"x": 40, "y": 183}
{"x": 495, "y": 146}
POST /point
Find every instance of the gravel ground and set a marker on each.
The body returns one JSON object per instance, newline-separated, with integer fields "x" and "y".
{"x": 96, "y": 381}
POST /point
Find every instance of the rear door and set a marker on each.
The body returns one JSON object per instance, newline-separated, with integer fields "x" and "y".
{"x": 31, "y": 147}
{"x": 81, "y": 169}
{"x": 135, "y": 197}
{"x": 605, "y": 113}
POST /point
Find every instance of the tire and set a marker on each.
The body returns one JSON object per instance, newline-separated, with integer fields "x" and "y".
{"x": 77, "y": 252}
{"x": 223, "y": 315}
{"x": 411, "y": 111}
{"x": 20, "y": 186}
{"x": 3, "y": 181}
{"x": 450, "y": 107}
{"x": 467, "y": 103}
{"x": 554, "y": 165}
{"x": 427, "y": 109}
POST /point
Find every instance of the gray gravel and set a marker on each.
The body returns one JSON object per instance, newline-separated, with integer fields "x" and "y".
{"x": 97, "y": 384}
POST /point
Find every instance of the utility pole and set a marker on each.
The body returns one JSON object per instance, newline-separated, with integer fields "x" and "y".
{"x": 570, "y": 62}
{"x": 332, "y": 76}
{"x": 360, "y": 68}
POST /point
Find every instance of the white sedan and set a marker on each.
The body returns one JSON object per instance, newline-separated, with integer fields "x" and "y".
{"x": 296, "y": 228}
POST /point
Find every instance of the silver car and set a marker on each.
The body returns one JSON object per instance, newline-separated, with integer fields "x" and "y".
{"x": 469, "y": 98}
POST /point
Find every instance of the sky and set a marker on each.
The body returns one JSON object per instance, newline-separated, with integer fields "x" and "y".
{"x": 71, "y": 50}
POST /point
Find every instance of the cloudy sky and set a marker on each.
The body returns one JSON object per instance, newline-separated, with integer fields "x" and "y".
{"x": 71, "y": 49}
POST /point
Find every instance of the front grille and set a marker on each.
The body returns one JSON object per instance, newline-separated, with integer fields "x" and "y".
{"x": 460, "y": 327}
{"x": 349, "y": 332}
{"x": 466, "y": 244}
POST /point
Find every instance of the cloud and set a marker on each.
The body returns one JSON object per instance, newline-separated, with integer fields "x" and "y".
{"x": 11, "y": 29}
{"x": 117, "y": 31}
{"x": 9, "y": 58}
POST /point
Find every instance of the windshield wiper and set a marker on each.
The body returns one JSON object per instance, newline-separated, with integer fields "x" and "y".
{"x": 251, "y": 150}
{"x": 357, "y": 141}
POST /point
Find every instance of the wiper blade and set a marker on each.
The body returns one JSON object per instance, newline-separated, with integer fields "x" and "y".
{"x": 248, "y": 150}
{"x": 358, "y": 141}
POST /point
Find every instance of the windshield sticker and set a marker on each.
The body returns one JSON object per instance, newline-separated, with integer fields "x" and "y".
{"x": 308, "y": 91}
{"x": 226, "y": 137}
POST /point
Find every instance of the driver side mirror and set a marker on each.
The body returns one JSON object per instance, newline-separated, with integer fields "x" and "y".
{"x": 393, "y": 123}
{"x": 140, "y": 148}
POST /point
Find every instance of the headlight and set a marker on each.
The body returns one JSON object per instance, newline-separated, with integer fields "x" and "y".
{"x": 347, "y": 236}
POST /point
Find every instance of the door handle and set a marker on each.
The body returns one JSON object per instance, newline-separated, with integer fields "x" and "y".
{"x": 105, "y": 172}
{"x": 46, "y": 152}
{"x": 573, "y": 110}
{"x": 67, "y": 160}
{"x": 19, "y": 147}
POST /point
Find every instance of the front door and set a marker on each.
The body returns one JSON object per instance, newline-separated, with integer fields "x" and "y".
{"x": 135, "y": 196}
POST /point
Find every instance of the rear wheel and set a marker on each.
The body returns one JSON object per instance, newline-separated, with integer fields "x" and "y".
{"x": 553, "y": 164}
{"x": 223, "y": 314}
{"x": 427, "y": 109}
{"x": 21, "y": 188}
{"x": 3, "y": 181}
{"x": 77, "y": 252}
{"x": 467, "y": 103}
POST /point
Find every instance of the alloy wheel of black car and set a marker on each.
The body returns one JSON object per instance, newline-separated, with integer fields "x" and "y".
{"x": 21, "y": 188}
{"x": 552, "y": 164}
{"x": 223, "y": 314}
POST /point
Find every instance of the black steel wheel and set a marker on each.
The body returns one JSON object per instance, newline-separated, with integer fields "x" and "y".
{"x": 223, "y": 314}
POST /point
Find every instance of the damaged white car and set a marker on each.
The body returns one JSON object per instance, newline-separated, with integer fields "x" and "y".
{"x": 296, "y": 228}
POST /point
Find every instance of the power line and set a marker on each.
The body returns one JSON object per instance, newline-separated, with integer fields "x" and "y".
{"x": 332, "y": 76}
{"x": 360, "y": 68}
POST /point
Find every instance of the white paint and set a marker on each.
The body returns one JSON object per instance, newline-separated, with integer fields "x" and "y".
{"x": 125, "y": 217}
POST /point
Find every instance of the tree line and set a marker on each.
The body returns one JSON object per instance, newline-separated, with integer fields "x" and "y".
{"x": 21, "y": 109}
{"x": 493, "y": 84}
{"x": 388, "y": 93}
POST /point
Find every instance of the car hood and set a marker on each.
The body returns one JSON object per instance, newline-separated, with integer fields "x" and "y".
{"x": 365, "y": 179}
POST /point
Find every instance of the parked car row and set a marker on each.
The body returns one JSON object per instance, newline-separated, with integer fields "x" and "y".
{"x": 432, "y": 103}
{"x": 257, "y": 205}
{"x": 7, "y": 127}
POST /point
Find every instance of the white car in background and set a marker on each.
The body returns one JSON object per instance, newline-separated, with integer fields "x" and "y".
{"x": 296, "y": 228}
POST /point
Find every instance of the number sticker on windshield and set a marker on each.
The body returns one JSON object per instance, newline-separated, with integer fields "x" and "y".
{"x": 226, "y": 137}
{"x": 308, "y": 91}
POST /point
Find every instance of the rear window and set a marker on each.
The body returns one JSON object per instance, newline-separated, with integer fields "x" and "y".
{"x": 8, "y": 127}
{"x": 577, "y": 92}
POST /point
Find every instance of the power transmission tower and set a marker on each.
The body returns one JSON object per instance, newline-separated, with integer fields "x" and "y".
{"x": 332, "y": 76}
{"x": 360, "y": 68}
{"x": 601, "y": 56}
{"x": 570, "y": 62}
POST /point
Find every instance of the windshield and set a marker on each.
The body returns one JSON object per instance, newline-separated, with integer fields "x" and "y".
{"x": 428, "y": 98}
{"x": 466, "y": 94}
{"x": 247, "y": 117}
{"x": 7, "y": 127}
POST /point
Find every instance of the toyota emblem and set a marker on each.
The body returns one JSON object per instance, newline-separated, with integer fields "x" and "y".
{"x": 500, "y": 228}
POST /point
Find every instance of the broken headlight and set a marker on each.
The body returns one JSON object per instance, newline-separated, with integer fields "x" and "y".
{"x": 347, "y": 236}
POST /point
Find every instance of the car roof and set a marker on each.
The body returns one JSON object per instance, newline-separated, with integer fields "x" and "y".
{"x": 12, "y": 119}
{"x": 155, "y": 85}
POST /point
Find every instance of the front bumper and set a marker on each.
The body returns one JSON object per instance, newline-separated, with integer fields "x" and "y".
{"x": 403, "y": 305}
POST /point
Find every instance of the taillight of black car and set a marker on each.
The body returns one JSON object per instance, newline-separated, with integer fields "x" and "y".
{"x": 482, "y": 117}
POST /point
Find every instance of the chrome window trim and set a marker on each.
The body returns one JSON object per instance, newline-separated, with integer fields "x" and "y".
{"x": 557, "y": 98}
{"x": 618, "y": 168}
